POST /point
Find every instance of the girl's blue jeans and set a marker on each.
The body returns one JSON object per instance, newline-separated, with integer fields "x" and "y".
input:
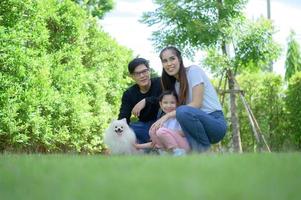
{"x": 200, "y": 128}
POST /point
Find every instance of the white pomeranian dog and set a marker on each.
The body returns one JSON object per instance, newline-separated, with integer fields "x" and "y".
{"x": 120, "y": 138}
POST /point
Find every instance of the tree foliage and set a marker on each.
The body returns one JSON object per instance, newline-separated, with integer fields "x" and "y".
{"x": 61, "y": 77}
{"x": 97, "y": 8}
{"x": 254, "y": 48}
{"x": 208, "y": 25}
{"x": 192, "y": 24}
{"x": 293, "y": 57}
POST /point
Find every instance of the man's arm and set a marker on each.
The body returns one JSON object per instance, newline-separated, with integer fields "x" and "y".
{"x": 156, "y": 92}
{"x": 152, "y": 100}
{"x": 150, "y": 110}
{"x": 138, "y": 107}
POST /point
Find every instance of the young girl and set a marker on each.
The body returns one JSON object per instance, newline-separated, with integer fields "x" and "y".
{"x": 200, "y": 113}
{"x": 170, "y": 136}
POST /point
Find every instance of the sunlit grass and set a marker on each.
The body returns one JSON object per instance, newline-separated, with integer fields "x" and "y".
{"x": 209, "y": 176}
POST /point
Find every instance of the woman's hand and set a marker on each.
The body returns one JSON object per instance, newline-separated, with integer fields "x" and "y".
{"x": 181, "y": 133}
{"x": 138, "y": 107}
{"x": 159, "y": 123}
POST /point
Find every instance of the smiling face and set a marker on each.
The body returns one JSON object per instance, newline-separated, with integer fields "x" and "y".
{"x": 119, "y": 126}
{"x": 141, "y": 76}
{"x": 168, "y": 103}
{"x": 170, "y": 63}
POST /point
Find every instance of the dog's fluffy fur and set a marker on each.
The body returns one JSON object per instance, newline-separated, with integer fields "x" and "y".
{"x": 120, "y": 138}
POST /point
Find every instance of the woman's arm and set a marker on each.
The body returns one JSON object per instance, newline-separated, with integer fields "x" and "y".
{"x": 197, "y": 96}
{"x": 159, "y": 123}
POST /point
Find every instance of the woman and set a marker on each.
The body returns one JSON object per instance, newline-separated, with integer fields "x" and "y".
{"x": 200, "y": 113}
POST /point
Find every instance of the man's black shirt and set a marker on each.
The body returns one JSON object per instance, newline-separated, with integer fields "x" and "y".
{"x": 133, "y": 95}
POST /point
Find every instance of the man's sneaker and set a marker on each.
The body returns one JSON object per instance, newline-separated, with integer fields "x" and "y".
{"x": 178, "y": 152}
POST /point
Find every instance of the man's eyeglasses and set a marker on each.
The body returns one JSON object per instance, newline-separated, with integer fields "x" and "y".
{"x": 143, "y": 72}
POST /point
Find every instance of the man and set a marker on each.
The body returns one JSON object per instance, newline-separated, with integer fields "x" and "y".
{"x": 141, "y": 99}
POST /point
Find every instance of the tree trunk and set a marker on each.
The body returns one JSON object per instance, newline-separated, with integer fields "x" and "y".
{"x": 236, "y": 141}
{"x": 234, "y": 119}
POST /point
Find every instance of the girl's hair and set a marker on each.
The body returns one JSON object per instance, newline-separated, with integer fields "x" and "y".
{"x": 168, "y": 92}
{"x": 168, "y": 82}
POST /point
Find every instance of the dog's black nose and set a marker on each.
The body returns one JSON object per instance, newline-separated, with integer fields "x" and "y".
{"x": 118, "y": 130}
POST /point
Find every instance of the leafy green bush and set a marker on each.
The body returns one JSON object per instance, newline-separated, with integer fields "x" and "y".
{"x": 264, "y": 94}
{"x": 293, "y": 106}
{"x": 61, "y": 77}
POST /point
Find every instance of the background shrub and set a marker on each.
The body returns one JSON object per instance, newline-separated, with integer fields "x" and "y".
{"x": 264, "y": 93}
{"x": 61, "y": 77}
{"x": 293, "y": 106}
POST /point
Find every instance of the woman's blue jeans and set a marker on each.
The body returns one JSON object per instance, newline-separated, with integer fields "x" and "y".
{"x": 200, "y": 128}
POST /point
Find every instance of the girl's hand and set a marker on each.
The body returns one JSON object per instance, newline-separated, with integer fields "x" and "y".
{"x": 138, "y": 107}
{"x": 137, "y": 146}
{"x": 143, "y": 146}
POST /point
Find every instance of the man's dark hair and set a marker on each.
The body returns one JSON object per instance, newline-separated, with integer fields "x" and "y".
{"x": 135, "y": 62}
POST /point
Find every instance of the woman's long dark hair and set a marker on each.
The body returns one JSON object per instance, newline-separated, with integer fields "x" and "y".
{"x": 168, "y": 82}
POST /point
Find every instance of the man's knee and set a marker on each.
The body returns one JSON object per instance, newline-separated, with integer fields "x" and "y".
{"x": 140, "y": 132}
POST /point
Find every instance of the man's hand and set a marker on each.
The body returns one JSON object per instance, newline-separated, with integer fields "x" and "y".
{"x": 138, "y": 107}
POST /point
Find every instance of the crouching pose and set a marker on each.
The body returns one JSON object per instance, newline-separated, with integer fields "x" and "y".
{"x": 200, "y": 113}
{"x": 169, "y": 137}
{"x": 141, "y": 99}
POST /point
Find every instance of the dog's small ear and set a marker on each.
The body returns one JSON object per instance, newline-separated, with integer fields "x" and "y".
{"x": 124, "y": 120}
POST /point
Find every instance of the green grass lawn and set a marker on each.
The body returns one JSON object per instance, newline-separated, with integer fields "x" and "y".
{"x": 206, "y": 176}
